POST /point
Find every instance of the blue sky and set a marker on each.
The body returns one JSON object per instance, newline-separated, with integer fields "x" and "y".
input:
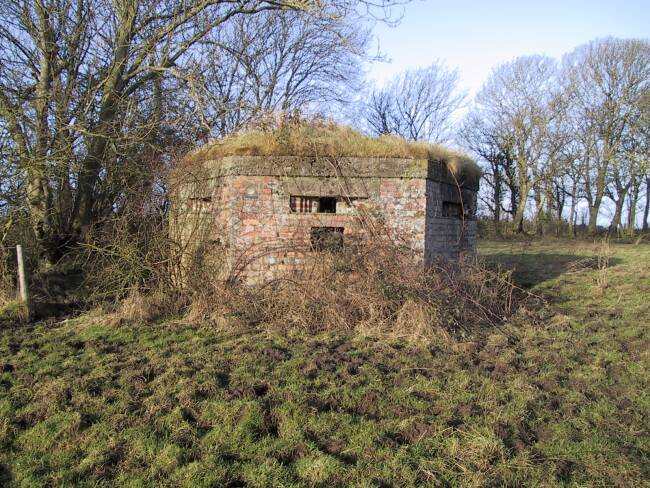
{"x": 473, "y": 36}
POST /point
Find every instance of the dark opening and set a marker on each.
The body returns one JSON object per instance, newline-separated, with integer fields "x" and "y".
{"x": 201, "y": 199}
{"x": 451, "y": 209}
{"x": 302, "y": 204}
{"x": 327, "y": 239}
{"x": 327, "y": 204}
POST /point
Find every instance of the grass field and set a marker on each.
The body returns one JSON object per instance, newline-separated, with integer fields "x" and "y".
{"x": 560, "y": 396}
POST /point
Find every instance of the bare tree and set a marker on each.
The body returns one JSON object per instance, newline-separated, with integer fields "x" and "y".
{"x": 416, "y": 105}
{"x": 646, "y": 206}
{"x": 85, "y": 88}
{"x": 570, "y": 158}
{"x": 279, "y": 62}
{"x": 640, "y": 154}
{"x": 517, "y": 105}
{"x": 378, "y": 113}
{"x": 605, "y": 81}
{"x": 557, "y": 183}
{"x": 486, "y": 141}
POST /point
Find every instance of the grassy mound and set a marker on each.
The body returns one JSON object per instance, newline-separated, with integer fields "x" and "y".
{"x": 318, "y": 139}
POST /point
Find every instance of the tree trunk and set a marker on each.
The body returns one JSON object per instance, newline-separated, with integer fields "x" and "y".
{"x": 594, "y": 209}
{"x": 111, "y": 98}
{"x": 539, "y": 212}
{"x": 646, "y": 208}
{"x": 514, "y": 201}
{"x": 631, "y": 214}
{"x": 39, "y": 195}
{"x": 592, "y": 227}
{"x": 560, "y": 202}
{"x": 497, "y": 201}
{"x": 573, "y": 214}
{"x": 615, "y": 225}
{"x": 518, "y": 220}
{"x": 600, "y": 188}
{"x": 622, "y": 190}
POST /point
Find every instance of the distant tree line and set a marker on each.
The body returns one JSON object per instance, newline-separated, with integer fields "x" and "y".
{"x": 556, "y": 137}
{"x": 559, "y": 142}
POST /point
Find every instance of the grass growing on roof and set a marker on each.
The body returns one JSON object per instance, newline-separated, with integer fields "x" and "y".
{"x": 318, "y": 139}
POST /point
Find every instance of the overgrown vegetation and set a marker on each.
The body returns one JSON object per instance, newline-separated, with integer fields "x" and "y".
{"x": 555, "y": 396}
{"x": 375, "y": 287}
{"x": 281, "y": 136}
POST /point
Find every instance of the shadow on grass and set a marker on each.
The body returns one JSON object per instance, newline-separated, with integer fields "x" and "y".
{"x": 6, "y": 477}
{"x": 531, "y": 269}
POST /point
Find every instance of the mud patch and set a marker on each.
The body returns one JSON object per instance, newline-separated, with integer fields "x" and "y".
{"x": 246, "y": 392}
{"x": 563, "y": 470}
{"x": 292, "y": 455}
{"x": 276, "y": 354}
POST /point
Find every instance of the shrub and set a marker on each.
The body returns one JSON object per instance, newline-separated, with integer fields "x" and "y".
{"x": 377, "y": 287}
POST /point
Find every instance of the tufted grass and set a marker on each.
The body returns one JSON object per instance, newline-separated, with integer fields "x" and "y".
{"x": 558, "y": 397}
{"x": 328, "y": 140}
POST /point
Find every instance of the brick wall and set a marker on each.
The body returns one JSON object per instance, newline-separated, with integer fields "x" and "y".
{"x": 449, "y": 236}
{"x": 247, "y": 218}
{"x": 263, "y": 237}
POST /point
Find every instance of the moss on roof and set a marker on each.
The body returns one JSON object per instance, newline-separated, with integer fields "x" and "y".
{"x": 330, "y": 140}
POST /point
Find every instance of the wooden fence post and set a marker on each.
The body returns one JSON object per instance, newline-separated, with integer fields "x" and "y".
{"x": 22, "y": 277}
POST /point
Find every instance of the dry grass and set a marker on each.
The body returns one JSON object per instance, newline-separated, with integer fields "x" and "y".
{"x": 326, "y": 139}
{"x": 374, "y": 288}
{"x": 604, "y": 255}
{"x": 138, "y": 307}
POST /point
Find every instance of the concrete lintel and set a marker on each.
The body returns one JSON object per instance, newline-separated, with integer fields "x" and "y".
{"x": 346, "y": 167}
